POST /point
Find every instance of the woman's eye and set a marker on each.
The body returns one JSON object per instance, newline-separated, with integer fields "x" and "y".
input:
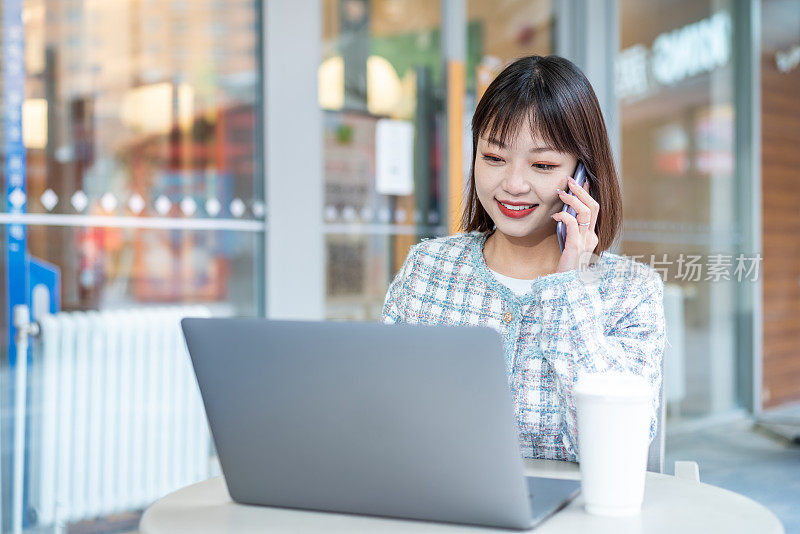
{"x": 544, "y": 166}
{"x": 493, "y": 159}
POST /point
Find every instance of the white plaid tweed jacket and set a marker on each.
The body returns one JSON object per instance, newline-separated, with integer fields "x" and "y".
{"x": 609, "y": 317}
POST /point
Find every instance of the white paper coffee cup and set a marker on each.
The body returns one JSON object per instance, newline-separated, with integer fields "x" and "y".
{"x": 613, "y": 412}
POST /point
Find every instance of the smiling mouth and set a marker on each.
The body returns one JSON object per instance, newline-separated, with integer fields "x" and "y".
{"x": 516, "y": 212}
{"x": 517, "y": 208}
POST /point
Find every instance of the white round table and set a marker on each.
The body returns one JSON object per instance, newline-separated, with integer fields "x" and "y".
{"x": 670, "y": 505}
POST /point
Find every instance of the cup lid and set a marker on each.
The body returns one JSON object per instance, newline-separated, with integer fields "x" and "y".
{"x": 613, "y": 386}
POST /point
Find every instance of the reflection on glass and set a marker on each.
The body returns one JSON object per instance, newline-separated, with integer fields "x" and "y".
{"x": 113, "y": 268}
{"x": 680, "y": 194}
{"x": 142, "y": 108}
{"x": 141, "y": 123}
{"x": 499, "y": 34}
{"x": 381, "y": 87}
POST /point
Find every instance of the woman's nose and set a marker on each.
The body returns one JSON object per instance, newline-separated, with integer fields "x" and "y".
{"x": 516, "y": 184}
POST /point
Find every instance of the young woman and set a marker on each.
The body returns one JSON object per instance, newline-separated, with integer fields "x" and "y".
{"x": 559, "y": 314}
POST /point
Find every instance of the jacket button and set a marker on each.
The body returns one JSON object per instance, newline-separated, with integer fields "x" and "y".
{"x": 508, "y": 317}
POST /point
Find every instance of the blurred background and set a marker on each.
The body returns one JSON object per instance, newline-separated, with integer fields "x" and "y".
{"x": 164, "y": 158}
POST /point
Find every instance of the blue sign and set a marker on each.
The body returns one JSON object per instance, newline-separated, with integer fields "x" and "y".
{"x": 17, "y": 283}
{"x": 45, "y": 281}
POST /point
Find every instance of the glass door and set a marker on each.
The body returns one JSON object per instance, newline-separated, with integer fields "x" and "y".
{"x": 132, "y": 173}
{"x": 677, "y": 98}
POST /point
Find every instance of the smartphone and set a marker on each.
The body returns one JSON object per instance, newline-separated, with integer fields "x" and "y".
{"x": 580, "y": 177}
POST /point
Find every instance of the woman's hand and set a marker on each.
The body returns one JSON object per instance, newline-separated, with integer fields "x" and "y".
{"x": 581, "y": 239}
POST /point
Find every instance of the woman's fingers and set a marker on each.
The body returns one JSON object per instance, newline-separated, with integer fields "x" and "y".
{"x": 580, "y": 239}
{"x": 581, "y": 210}
{"x": 572, "y": 225}
{"x": 583, "y": 194}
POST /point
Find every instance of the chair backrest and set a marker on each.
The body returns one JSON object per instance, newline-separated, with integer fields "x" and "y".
{"x": 655, "y": 455}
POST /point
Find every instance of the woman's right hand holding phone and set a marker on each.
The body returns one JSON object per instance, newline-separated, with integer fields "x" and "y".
{"x": 581, "y": 238}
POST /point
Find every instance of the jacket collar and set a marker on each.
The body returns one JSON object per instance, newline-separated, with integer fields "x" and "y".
{"x": 554, "y": 280}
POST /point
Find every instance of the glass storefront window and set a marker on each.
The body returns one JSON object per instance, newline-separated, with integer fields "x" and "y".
{"x": 381, "y": 87}
{"x": 146, "y": 113}
{"x": 133, "y": 172}
{"x": 113, "y": 268}
{"x": 675, "y": 86}
{"x": 497, "y": 36}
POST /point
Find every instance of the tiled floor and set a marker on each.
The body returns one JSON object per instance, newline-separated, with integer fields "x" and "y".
{"x": 743, "y": 458}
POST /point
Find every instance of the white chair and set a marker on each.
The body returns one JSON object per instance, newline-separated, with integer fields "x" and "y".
{"x": 687, "y": 471}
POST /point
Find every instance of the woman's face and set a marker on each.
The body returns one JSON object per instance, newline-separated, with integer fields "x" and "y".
{"x": 525, "y": 173}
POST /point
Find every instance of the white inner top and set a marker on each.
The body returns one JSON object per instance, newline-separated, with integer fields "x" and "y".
{"x": 518, "y": 286}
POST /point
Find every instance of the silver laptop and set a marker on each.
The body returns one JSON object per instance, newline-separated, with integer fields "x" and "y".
{"x": 407, "y": 421}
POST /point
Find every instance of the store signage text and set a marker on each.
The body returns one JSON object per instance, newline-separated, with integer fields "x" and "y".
{"x": 675, "y": 56}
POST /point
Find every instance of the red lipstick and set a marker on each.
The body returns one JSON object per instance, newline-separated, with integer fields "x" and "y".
{"x": 515, "y": 214}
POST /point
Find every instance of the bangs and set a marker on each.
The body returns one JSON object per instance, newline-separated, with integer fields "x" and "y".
{"x": 526, "y": 102}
